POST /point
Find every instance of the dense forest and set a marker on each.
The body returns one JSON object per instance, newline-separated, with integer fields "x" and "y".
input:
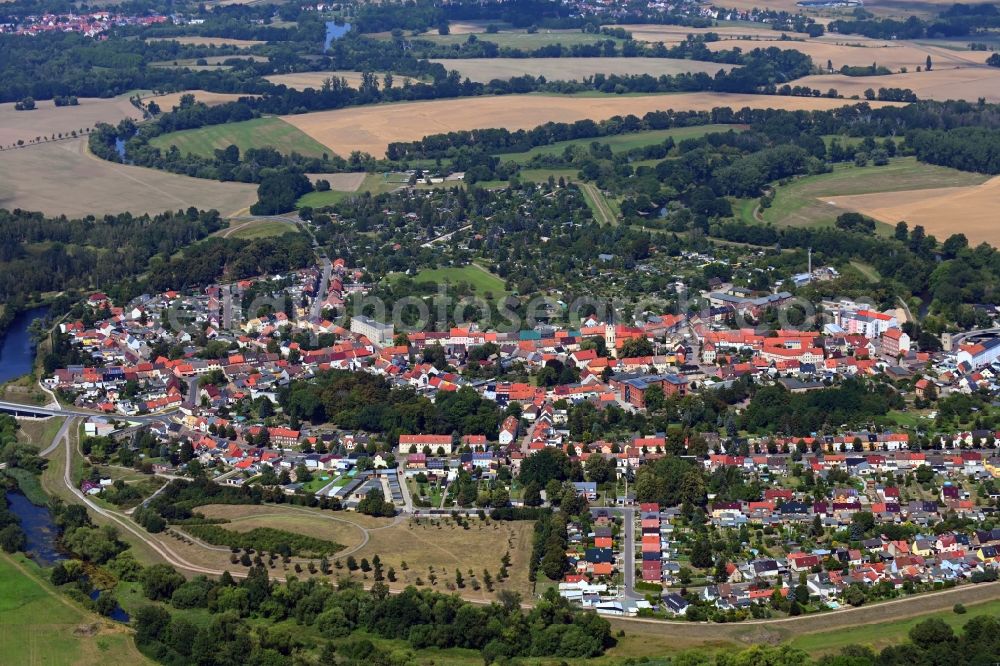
{"x": 319, "y": 617}
{"x": 965, "y": 148}
{"x": 39, "y": 254}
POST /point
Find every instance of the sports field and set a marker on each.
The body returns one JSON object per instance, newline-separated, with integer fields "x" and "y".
{"x": 621, "y": 142}
{"x": 810, "y": 201}
{"x": 937, "y": 209}
{"x": 574, "y": 69}
{"x": 48, "y": 120}
{"x": 372, "y": 129}
{"x": 257, "y": 133}
{"x": 38, "y": 625}
{"x": 63, "y": 178}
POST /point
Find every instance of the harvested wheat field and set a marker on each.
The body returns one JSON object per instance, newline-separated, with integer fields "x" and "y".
{"x": 371, "y": 129}
{"x": 209, "y": 41}
{"x": 858, "y": 54}
{"x": 63, "y": 178}
{"x": 674, "y": 34}
{"x": 170, "y": 100}
{"x": 570, "y": 69}
{"x": 969, "y": 83}
{"x": 942, "y": 212}
{"x": 48, "y": 120}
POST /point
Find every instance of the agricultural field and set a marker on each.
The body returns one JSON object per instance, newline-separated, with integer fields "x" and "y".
{"x": 810, "y": 201}
{"x": 936, "y": 209}
{"x": 620, "y": 142}
{"x": 170, "y": 100}
{"x": 574, "y": 69}
{"x": 38, "y": 625}
{"x": 675, "y": 34}
{"x": 194, "y": 40}
{"x": 63, "y": 178}
{"x": 968, "y": 83}
{"x": 210, "y": 63}
{"x": 257, "y": 133}
{"x": 482, "y": 281}
{"x": 303, "y": 80}
{"x": 48, "y": 120}
{"x": 848, "y": 50}
{"x": 372, "y": 129}
{"x": 517, "y": 39}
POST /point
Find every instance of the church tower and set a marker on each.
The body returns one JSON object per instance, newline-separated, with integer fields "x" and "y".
{"x": 610, "y": 338}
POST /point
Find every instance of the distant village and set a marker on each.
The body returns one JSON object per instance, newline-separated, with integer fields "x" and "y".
{"x": 91, "y": 24}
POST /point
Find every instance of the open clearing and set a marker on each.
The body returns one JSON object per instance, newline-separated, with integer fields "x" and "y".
{"x": 48, "y": 119}
{"x": 570, "y": 69}
{"x": 971, "y": 210}
{"x": 341, "y": 182}
{"x": 250, "y": 229}
{"x": 257, "y": 133}
{"x": 441, "y": 544}
{"x": 63, "y": 178}
{"x": 208, "y": 41}
{"x": 621, "y": 142}
{"x": 481, "y": 281}
{"x": 968, "y": 83}
{"x": 300, "y": 523}
{"x": 39, "y": 626}
{"x": 371, "y": 129}
{"x": 809, "y": 201}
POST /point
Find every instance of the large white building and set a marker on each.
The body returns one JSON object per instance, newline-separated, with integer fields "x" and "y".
{"x": 379, "y": 333}
{"x": 869, "y": 323}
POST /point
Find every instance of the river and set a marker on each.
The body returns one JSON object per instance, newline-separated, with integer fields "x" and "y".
{"x": 39, "y": 528}
{"x": 17, "y": 350}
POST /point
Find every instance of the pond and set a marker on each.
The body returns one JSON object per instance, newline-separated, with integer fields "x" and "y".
{"x": 17, "y": 350}
{"x": 118, "y": 614}
{"x": 335, "y": 32}
{"x": 40, "y": 529}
